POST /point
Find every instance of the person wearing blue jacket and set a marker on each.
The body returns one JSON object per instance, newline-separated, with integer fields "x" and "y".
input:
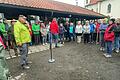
{"x": 92, "y": 29}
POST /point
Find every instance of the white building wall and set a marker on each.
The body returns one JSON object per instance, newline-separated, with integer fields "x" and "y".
{"x": 115, "y": 8}
{"x": 93, "y": 7}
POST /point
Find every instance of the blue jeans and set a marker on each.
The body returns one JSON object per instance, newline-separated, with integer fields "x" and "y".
{"x": 55, "y": 38}
{"x": 44, "y": 39}
{"x": 102, "y": 40}
{"x": 67, "y": 35}
{"x": 24, "y": 53}
{"x": 108, "y": 47}
{"x": 61, "y": 38}
{"x": 48, "y": 37}
{"x": 91, "y": 36}
{"x": 116, "y": 43}
{"x": 72, "y": 36}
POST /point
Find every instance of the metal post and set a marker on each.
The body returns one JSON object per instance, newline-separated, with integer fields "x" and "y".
{"x": 51, "y": 60}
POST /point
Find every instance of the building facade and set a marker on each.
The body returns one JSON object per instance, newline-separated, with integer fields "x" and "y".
{"x": 106, "y": 7}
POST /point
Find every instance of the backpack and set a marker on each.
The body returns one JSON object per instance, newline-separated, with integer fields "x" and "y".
{"x": 117, "y": 28}
{"x": 109, "y": 36}
{"x": 4, "y": 71}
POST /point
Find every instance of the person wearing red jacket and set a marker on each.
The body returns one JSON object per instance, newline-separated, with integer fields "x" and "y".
{"x": 97, "y": 32}
{"x": 1, "y": 41}
{"x": 109, "y": 38}
{"x": 54, "y": 30}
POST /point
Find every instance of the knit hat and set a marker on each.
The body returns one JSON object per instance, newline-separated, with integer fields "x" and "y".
{"x": 13, "y": 20}
{"x": 23, "y": 16}
{"x": 113, "y": 20}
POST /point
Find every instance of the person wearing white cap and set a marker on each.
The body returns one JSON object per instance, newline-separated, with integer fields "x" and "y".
{"x": 78, "y": 31}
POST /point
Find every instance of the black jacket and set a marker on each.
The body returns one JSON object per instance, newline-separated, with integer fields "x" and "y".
{"x": 117, "y": 30}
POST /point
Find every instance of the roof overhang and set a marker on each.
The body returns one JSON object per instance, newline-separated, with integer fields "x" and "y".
{"x": 47, "y": 11}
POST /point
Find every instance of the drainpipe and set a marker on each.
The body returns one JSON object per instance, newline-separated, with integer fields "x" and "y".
{"x": 52, "y": 14}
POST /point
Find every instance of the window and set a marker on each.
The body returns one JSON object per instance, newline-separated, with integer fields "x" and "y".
{"x": 76, "y": 2}
{"x": 86, "y": 1}
{"x": 109, "y": 8}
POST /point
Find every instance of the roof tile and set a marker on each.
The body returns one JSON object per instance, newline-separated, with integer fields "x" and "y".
{"x": 52, "y": 5}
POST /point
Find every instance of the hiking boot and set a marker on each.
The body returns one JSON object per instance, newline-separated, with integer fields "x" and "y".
{"x": 117, "y": 51}
{"x": 16, "y": 54}
{"x": 29, "y": 62}
{"x": 105, "y": 54}
{"x": 97, "y": 43}
{"x": 25, "y": 67}
{"x": 101, "y": 49}
{"x": 56, "y": 46}
{"x": 108, "y": 56}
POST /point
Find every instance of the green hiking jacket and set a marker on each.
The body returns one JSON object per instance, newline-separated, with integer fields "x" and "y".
{"x": 36, "y": 28}
{"x": 21, "y": 33}
{"x": 2, "y": 29}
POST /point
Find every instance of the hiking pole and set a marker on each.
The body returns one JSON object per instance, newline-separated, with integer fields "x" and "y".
{"x": 51, "y": 60}
{"x": 97, "y": 38}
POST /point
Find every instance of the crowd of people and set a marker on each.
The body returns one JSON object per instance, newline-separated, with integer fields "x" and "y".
{"x": 21, "y": 33}
{"x": 92, "y": 31}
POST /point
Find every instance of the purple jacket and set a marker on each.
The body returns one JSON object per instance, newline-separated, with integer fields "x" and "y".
{"x": 61, "y": 30}
{"x": 103, "y": 27}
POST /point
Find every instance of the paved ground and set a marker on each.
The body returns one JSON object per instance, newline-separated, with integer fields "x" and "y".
{"x": 32, "y": 49}
{"x": 73, "y": 62}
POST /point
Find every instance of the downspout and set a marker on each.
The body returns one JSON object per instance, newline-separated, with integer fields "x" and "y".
{"x": 52, "y": 13}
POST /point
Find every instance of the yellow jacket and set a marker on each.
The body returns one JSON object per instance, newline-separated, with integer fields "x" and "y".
{"x": 21, "y": 33}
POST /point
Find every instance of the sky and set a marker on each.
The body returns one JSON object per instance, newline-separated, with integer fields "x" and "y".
{"x": 80, "y": 2}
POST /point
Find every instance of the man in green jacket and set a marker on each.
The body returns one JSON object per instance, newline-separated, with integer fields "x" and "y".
{"x": 4, "y": 29}
{"x": 36, "y": 32}
{"x": 11, "y": 37}
{"x": 22, "y": 38}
